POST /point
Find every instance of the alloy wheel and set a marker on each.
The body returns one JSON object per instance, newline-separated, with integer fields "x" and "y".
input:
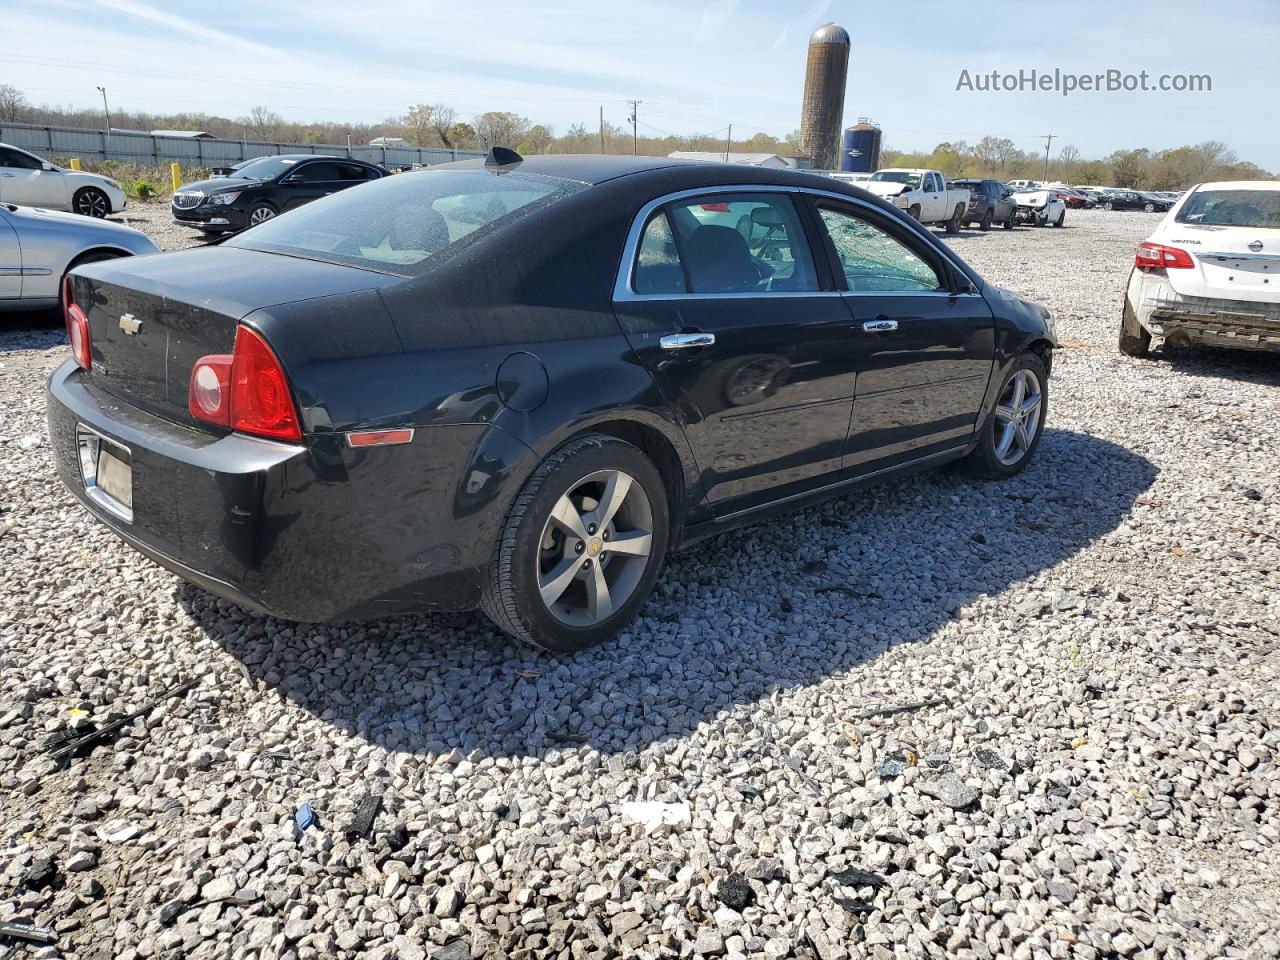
{"x": 92, "y": 203}
{"x": 594, "y": 548}
{"x": 260, "y": 215}
{"x": 1017, "y": 417}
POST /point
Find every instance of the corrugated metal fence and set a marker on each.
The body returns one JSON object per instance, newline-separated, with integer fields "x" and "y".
{"x": 145, "y": 148}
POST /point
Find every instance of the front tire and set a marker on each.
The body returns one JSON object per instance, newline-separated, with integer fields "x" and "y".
{"x": 582, "y": 546}
{"x": 260, "y": 213}
{"x": 91, "y": 202}
{"x": 1010, "y": 220}
{"x": 1149, "y": 207}
{"x": 1011, "y": 433}
{"x": 1061, "y": 218}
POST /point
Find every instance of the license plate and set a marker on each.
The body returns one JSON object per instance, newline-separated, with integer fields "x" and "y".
{"x": 115, "y": 477}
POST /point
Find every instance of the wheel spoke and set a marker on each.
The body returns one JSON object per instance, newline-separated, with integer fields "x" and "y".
{"x": 616, "y": 489}
{"x": 566, "y": 516}
{"x": 633, "y": 543}
{"x": 554, "y": 584}
{"x": 1031, "y": 406}
{"x": 1019, "y": 392}
{"x": 599, "y": 602}
{"x": 1006, "y": 440}
{"x": 1024, "y": 440}
{"x": 1007, "y": 414}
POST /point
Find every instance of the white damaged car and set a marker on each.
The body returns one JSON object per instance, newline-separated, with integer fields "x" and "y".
{"x": 1039, "y": 206}
{"x": 1210, "y": 273}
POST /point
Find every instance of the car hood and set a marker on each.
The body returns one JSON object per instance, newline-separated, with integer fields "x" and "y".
{"x": 218, "y": 184}
{"x": 883, "y": 188}
{"x": 86, "y": 224}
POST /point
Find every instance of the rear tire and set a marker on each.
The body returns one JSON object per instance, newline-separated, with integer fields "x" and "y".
{"x": 985, "y": 223}
{"x": 1149, "y": 207}
{"x": 1061, "y": 217}
{"x": 1135, "y": 339}
{"x": 91, "y": 202}
{"x": 1011, "y": 434}
{"x": 953, "y": 225}
{"x": 1108, "y": 205}
{"x": 914, "y": 213}
{"x": 537, "y": 591}
{"x": 1010, "y": 220}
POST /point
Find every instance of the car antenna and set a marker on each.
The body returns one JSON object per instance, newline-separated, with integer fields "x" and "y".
{"x": 502, "y": 160}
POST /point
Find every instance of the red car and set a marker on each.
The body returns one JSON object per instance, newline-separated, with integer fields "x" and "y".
{"x": 1075, "y": 201}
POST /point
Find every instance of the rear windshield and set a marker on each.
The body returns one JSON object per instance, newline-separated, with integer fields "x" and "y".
{"x": 1232, "y": 208}
{"x": 398, "y": 224}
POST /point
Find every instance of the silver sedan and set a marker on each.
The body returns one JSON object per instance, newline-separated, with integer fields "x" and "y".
{"x": 38, "y": 247}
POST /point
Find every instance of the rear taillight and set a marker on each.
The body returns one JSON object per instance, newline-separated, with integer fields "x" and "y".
{"x": 715, "y": 207}
{"x": 1158, "y": 255}
{"x": 246, "y": 391}
{"x": 77, "y": 327}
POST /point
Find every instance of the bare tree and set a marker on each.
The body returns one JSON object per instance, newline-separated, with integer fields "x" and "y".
{"x": 264, "y": 122}
{"x": 500, "y": 129}
{"x": 442, "y": 121}
{"x": 1068, "y": 157}
{"x": 13, "y": 102}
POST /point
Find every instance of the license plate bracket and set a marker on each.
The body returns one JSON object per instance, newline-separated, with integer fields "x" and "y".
{"x": 106, "y": 467}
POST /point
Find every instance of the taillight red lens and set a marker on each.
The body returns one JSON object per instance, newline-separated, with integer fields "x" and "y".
{"x": 77, "y": 327}
{"x": 1158, "y": 255}
{"x": 260, "y": 399}
{"x": 209, "y": 395}
{"x": 715, "y": 207}
{"x": 245, "y": 390}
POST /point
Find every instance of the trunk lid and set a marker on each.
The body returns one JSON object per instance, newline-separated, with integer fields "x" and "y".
{"x": 1231, "y": 263}
{"x": 151, "y": 318}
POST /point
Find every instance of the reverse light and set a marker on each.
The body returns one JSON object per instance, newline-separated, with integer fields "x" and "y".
{"x": 77, "y": 327}
{"x": 246, "y": 390}
{"x": 1158, "y": 255}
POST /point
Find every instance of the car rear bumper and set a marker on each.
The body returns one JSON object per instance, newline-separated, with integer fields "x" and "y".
{"x": 1233, "y": 324}
{"x": 278, "y": 528}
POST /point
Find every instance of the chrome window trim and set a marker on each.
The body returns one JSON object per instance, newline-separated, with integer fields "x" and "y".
{"x": 624, "y": 293}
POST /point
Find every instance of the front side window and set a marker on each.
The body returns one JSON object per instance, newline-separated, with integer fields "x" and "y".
{"x": 742, "y": 243}
{"x": 322, "y": 172}
{"x": 872, "y": 260}
{"x": 16, "y": 159}
{"x": 1232, "y": 208}
{"x": 398, "y": 224}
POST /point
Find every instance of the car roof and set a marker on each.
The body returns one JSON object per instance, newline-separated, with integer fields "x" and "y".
{"x": 1241, "y": 185}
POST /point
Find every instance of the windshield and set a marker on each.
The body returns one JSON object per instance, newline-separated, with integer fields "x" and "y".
{"x": 264, "y": 168}
{"x": 397, "y": 224}
{"x": 1232, "y": 208}
{"x": 897, "y": 176}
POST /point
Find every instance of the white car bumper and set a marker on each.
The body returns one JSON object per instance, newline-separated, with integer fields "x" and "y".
{"x": 1235, "y": 324}
{"x": 117, "y": 197}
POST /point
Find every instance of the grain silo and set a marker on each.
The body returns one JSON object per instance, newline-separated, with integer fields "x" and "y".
{"x": 822, "y": 112}
{"x": 861, "y": 152}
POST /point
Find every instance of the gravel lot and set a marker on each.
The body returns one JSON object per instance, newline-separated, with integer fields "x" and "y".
{"x": 1094, "y": 774}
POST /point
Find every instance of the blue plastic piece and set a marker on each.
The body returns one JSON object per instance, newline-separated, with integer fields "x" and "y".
{"x": 304, "y": 818}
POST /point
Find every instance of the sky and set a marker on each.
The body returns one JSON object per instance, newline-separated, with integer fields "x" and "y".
{"x": 695, "y": 66}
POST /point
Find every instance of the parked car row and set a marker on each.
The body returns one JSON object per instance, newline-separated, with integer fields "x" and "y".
{"x": 29, "y": 181}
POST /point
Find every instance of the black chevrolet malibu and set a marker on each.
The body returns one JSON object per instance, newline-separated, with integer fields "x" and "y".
{"x": 518, "y": 386}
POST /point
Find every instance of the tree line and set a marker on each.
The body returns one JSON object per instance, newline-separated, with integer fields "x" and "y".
{"x": 438, "y": 125}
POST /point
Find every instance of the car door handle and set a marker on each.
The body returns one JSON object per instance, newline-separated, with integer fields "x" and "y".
{"x": 880, "y": 325}
{"x": 682, "y": 341}
{"x": 10, "y": 175}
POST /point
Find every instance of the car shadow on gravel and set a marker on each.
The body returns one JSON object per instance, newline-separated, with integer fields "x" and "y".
{"x": 1247, "y": 366}
{"x": 783, "y": 604}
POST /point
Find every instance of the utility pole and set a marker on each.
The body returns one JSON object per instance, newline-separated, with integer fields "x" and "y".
{"x": 107, "y": 112}
{"x": 1048, "y": 139}
{"x": 635, "y": 127}
{"x": 602, "y": 128}
{"x": 728, "y": 141}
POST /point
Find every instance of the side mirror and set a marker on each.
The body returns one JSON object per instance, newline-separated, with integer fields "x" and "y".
{"x": 47, "y": 166}
{"x": 292, "y": 180}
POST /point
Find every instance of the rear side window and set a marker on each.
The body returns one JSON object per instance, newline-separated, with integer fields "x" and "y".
{"x": 1233, "y": 208}
{"x": 658, "y": 268}
{"x": 320, "y": 172}
{"x": 398, "y": 224}
{"x": 353, "y": 171}
{"x": 739, "y": 243}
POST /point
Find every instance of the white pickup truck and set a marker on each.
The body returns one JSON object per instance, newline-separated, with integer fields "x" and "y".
{"x": 923, "y": 194}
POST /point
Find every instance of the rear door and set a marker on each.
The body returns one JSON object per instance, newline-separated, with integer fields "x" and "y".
{"x": 722, "y": 300}
{"x": 925, "y": 349}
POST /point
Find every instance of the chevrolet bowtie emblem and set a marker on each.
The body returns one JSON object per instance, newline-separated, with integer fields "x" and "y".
{"x": 130, "y": 324}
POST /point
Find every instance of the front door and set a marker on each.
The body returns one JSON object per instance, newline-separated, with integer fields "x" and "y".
{"x": 309, "y": 181}
{"x": 10, "y": 261}
{"x": 925, "y": 351}
{"x": 728, "y": 310}
{"x": 24, "y": 181}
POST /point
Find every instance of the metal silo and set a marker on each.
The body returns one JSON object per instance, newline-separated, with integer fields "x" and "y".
{"x": 861, "y": 148}
{"x": 822, "y": 112}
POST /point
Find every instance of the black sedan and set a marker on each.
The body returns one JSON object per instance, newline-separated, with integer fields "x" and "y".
{"x": 258, "y": 190}
{"x": 1132, "y": 200}
{"x": 520, "y": 385}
